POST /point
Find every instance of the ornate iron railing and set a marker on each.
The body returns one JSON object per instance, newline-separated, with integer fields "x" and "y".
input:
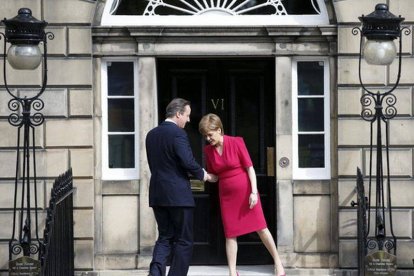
{"x": 362, "y": 229}
{"x": 57, "y": 250}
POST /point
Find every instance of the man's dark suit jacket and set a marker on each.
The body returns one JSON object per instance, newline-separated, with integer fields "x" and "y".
{"x": 170, "y": 160}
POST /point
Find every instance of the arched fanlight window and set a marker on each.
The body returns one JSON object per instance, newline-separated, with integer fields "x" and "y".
{"x": 215, "y": 12}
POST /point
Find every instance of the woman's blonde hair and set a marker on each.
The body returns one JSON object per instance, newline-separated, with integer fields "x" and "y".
{"x": 210, "y": 122}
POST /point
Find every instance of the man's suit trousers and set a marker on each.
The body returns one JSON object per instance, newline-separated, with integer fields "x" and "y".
{"x": 175, "y": 239}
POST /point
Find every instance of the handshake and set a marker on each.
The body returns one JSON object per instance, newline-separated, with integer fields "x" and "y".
{"x": 211, "y": 177}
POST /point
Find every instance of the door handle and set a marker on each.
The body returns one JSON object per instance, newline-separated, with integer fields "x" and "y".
{"x": 270, "y": 153}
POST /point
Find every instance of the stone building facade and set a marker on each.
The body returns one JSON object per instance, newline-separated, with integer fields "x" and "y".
{"x": 313, "y": 222}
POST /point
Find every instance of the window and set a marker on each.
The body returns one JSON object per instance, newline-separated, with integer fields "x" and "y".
{"x": 119, "y": 120}
{"x": 211, "y": 12}
{"x": 310, "y": 106}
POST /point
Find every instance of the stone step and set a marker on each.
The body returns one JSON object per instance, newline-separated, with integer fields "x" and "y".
{"x": 262, "y": 270}
{"x": 254, "y": 270}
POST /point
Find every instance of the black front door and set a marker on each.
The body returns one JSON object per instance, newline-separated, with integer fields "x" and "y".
{"x": 241, "y": 92}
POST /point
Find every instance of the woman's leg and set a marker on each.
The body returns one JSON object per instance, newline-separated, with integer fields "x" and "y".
{"x": 231, "y": 251}
{"x": 268, "y": 241}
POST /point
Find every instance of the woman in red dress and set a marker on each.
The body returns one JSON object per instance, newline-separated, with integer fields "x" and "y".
{"x": 241, "y": 210}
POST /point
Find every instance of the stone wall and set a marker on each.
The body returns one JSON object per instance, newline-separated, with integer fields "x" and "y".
{"x": 66, "y": 138}
{"x": 353, "y": 132}
{"x": 105, "y": 238}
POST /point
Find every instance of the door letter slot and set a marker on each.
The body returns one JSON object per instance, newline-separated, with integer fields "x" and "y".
{"x": 197, "y": 185}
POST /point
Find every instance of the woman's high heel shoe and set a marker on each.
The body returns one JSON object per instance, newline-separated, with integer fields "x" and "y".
{"x": 280, "y": 274}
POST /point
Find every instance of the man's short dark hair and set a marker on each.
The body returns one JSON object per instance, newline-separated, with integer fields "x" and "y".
{"x": 176, "y": 105}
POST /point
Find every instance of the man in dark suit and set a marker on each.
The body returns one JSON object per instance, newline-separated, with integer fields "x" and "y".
{"x": 170, "y": 161}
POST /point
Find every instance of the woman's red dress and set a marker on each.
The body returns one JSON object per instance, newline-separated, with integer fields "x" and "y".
{"x": 234, "y": 187}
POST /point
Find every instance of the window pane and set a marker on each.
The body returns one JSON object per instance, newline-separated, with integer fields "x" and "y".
{"x": 190, "y": 7}
{"x": 301, "y": 7}
{"x": 120, "y": 78}
{"x": 310, "y": 115}
{"x": 121, "y": 151}
{"x": 311, "y": 151}
{"x": 310, "y": 78}
{"x": 121, "y": 115}
{"x": 131, "y": 7}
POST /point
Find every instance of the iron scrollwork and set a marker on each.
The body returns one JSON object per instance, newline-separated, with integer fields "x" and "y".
{"x": 373, "y": 106}
{"x": 17, "y": 118}
{"x": 388, "y": 244}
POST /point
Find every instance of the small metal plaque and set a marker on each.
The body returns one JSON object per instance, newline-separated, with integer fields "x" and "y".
{"x": 24, "y": 266}
{"x": 380, "y": 263}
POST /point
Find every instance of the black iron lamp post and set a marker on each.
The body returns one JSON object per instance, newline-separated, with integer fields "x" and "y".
{"x": 25, "y": 33}
{"x": 379, "y": 31}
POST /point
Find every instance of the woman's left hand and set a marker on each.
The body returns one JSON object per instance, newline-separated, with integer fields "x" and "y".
{"x": 253, "y": 200}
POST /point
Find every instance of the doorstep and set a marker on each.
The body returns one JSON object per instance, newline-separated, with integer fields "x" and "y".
{"x": 254, "y": 270}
